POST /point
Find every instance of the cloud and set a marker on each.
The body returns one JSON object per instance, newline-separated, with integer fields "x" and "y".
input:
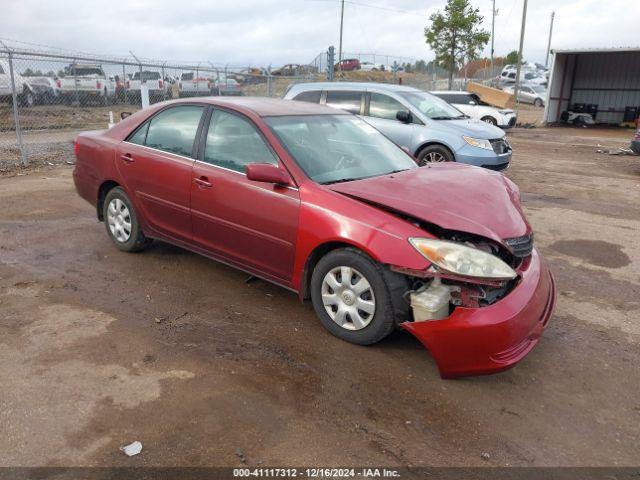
{"x": 273, "y": 32}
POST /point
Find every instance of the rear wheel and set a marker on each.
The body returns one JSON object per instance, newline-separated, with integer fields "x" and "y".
{"x": 537, "y": 102}
{"x": 434, "y": 154}
{"x": 121, "y": 222}
{"x": 490, "y": 120}
{"x": 351, "y": 297}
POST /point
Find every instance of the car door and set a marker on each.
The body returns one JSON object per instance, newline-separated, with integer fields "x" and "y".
{"x": 252, "y": 224}
{"x": 156, "y": 163}
{"x": 381, "y": 113}
{"x": 5, "y": 80}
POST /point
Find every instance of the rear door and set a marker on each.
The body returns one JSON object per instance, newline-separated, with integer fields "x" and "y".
{"x": 381, "y": 113}
{"x": 156, "y": 164}
{"x": 252, "y": 224}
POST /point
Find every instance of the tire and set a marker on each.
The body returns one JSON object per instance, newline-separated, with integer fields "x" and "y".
{"x": 27, "y": 99}
{"x": 490, "y": 120}
{"x": 135, "y": 240}
{"x": 365, "y": 328}
{"x": 434, "y": 154}
{"x": 537, "y": 102}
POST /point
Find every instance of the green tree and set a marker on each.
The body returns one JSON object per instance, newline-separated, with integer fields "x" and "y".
{"x": 512, "y": 58}
{"x": 455, "y": 35}
{"x": 421, "y": 66}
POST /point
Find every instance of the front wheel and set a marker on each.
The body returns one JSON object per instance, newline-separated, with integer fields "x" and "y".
{"x": 122, "y": 223}
{"x": 537, "y": 102}
{"x": 434, "y": 154}
{"x": 490, "y": 121}
{"x": 351, "y": 297}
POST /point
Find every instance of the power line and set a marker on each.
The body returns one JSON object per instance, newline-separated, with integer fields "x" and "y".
{"x": 369, "y": 5}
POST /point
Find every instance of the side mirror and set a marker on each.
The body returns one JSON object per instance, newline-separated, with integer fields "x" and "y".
{"x": 268, "y": 173}
{"x": 404, "y": 117}
{"x": 124, "y": 115}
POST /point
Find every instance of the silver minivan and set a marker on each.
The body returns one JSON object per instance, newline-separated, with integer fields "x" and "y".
{"x": 432, "y": 129}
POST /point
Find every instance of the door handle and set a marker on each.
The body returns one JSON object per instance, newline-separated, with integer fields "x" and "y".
{"x": 127, "y": 158}
{"x": 203, "y": 182}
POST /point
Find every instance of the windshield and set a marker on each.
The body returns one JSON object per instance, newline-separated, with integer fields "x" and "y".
{"x": 338, "y": 148}
{"x": 432, "y": 106}
{"x": 539, "y": 89}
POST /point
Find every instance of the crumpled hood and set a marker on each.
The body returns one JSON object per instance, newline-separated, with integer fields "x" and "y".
{"x": 451, "y": 196}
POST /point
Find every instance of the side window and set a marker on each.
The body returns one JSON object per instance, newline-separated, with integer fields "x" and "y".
{"x": 140, "y": 135}
{"x": 383, "y": 106}
{"x": 233, "y": 143}
{"x": 174, "y": 130}
{"x": 349, "y": 101}
{"x": 311, "y": 97}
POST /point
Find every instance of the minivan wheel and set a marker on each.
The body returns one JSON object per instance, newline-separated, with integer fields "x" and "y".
{"x": 121, "y": 222}
{"x": 351, "y": 297}
{"x": 537, "y": 102}
{"x": 434, "y": 154}
{"x": 490, "y": 120}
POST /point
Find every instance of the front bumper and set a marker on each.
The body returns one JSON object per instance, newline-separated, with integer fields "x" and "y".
{"x": 481, "y": 157}
{"x": 476, "y": 341}
{"x": 509, "y": 121}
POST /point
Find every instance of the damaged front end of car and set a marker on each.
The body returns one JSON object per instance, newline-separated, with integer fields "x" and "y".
{"x": 480, "y": 306}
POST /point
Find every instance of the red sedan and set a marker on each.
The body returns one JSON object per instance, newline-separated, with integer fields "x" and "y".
{"x": 319, "y": 202}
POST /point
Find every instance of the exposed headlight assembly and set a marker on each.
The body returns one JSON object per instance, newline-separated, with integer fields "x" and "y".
{"x": 478, "y": 142}
{"x": 462, "y": 260}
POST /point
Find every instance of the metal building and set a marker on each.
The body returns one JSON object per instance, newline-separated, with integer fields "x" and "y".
{"x": 604, "y": 82}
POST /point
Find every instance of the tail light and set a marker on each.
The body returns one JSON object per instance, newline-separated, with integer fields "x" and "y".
{"x": 76, "y": 147}
{"x": 59, "y": 83}
{"x": 98, "y": 85}
{"x": 160, "y": 84}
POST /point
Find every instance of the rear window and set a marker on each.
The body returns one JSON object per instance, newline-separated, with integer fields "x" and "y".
{"x": 147, "y": 76}
{"x": 311, "y": 97}
{"x": 85, "y": 72}
{"x": 349, "y": 101}
{"x": 187, "y": 76}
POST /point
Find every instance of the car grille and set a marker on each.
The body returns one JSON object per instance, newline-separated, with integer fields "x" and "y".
{"x": 497, "y": 168}
{"x": 521, "y": 246}
{"x": 500, "y": 146}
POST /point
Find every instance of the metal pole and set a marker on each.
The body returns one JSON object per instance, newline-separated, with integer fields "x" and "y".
{"x": 493, "y": 30}
{"x": 340, "y": 45}
{"x": 517, "y": 85}
{"x": 16, "y": 112}
{"x": 546, "y": 60}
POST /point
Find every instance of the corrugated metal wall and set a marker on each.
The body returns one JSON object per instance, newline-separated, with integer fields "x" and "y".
{"x": 610, "y": 80}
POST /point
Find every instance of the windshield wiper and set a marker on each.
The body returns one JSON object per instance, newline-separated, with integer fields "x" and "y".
{"x": 442, "y": 118}
{"x": 340, "y": 180}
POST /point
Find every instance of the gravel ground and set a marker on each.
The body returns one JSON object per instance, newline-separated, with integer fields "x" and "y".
{"x": 99, "y": 348}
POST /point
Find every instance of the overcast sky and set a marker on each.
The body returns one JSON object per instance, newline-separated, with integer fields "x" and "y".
{"x": 274, "y": 32}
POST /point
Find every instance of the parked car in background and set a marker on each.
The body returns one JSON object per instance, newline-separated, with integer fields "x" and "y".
{"x": 470, "y": 104}
{"x": 85, "y": 83}
{"x": 24, "y": 92}
{"x": 508, "y": 78}
{"x": 635, "y": 142}
{"x": 427, "y": 126}
{"x": 348, "y": 65}
{"x": 533, "y": 94}
{"x": 158, "y": 88}
{"x": 194, "y": 84}
{"x": 371, "y": 67}
{"x": 319, "y": 202}
{"x": 226, "y": 86}
{"x": 45, "y": 90}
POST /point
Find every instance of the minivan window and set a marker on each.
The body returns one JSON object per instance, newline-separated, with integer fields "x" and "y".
{"x": 432, "y": 106}
{"x": 174, "y": 129}
{"x": 234, "y": 143}
{"x": 383, "y": 106}
{"x": 311, "y": 96}
{"x": 349, "y": 101}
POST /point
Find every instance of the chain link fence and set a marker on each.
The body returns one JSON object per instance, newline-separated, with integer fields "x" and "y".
{"x": 46, "y": 98}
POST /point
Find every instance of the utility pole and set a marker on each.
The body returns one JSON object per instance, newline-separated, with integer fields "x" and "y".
{"x": 493, "y": 30}
{"x": 340, "y": 44}
{"x": 546, "y": 60}
{"x": 519, "y": 67}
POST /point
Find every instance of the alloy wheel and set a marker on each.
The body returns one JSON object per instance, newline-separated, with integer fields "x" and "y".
{"x": 348, "y": 298}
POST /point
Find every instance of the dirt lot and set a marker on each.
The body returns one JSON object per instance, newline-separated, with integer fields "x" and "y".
{"x": 99, "y": 348}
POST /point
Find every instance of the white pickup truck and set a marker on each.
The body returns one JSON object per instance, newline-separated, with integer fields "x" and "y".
{"x": 158, "y": 88}
{"x": 24, "y": 91}
{"x": 86, "y": 82}
{"x": 193, "y": 85}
